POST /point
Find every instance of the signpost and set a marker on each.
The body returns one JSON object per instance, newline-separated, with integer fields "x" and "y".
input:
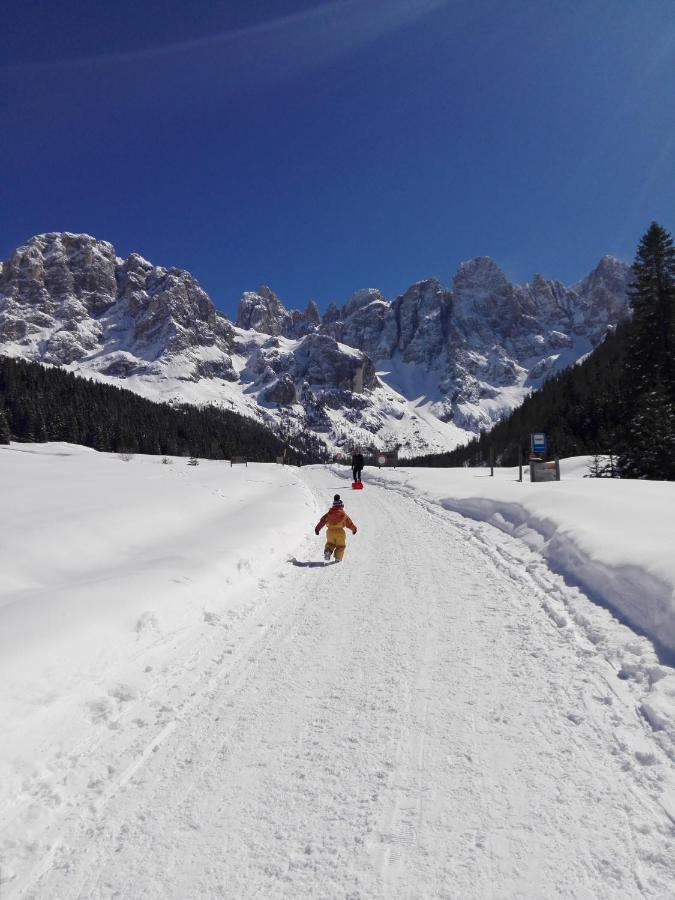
{"x": 544, "y": 471}
{"x": 538, "y": 443}
{"x": 540, "y": 469}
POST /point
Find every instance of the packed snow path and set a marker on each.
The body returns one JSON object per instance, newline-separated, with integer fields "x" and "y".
{"x": 410, "y": 723}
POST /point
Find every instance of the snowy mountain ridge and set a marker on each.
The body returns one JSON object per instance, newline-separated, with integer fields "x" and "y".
{"x": 423, "y": 371}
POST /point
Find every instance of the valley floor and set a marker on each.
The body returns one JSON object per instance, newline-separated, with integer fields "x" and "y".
{"x": 413, "y": 722}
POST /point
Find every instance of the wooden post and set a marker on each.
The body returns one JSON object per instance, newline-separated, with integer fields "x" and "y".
{"x": 492, "y": 462}
{"x": 520, "y": 462}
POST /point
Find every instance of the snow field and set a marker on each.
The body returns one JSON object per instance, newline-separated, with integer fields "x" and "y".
{"x": 109, "y": 567}
{"x": 440, "y": 715}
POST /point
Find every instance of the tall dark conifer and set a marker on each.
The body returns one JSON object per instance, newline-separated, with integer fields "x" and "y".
{"x": 5, "y": 435}
{"x": 651, "y": 348}
{"x": 649, "y": 450}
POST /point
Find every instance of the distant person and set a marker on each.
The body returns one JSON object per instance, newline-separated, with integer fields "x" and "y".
{"x": 336, "y": 520}
{"x": 357, "y": 466}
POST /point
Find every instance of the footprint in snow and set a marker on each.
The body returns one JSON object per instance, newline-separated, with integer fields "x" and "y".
{"x": 100, "y": 710}
{"x": 147, "y": 622}
{"x": 124, "y": 693}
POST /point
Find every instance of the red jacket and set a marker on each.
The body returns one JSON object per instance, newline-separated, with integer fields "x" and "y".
{"x": 336, "y": 519}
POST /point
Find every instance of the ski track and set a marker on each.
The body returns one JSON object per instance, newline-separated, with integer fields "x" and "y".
{"x": 424, "y": 720}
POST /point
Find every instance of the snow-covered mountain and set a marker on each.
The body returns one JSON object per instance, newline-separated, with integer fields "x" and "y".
{"x": 423, "y": 371}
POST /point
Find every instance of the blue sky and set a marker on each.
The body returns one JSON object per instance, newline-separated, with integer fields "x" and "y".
{"x": 324, "y": 147}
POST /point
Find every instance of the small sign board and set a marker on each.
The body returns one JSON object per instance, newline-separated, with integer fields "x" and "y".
{"x": 544, "y": 471}
{"x": 538, "y": 443}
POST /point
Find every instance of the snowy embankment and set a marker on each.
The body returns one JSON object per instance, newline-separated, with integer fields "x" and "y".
{"x": 104, "y": 546}
{"x": 104, "y": 559}
{"x": 613, "y": 538}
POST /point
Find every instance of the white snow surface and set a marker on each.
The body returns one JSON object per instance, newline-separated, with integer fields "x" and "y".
{"x": 613, "y": 537}
{"x": 195, "y": 706}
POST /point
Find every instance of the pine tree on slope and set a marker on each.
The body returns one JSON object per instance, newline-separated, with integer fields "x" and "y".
{"x": 5, "y": 435}
{"x": 650, "y": 362}
{"x": 651, "y": 349}
{"x": 651, "y": 438}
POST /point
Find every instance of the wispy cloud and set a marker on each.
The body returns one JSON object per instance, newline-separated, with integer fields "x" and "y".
{"x": 321, "y": 34}
{"x": 178, "y": 82}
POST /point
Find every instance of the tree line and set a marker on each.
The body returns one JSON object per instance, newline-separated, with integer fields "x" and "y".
{"x": 39, "y": 403}
{"x": 619, "y": 400}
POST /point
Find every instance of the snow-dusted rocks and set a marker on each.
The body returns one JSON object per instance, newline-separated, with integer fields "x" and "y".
{"x": 603, "y": 296}
{"x": 262, "y": 311}
{"x": 422, "y": 314}
{"x": 67, "y": 298}
{"x": 322, "y": 362}
{"x": 423, "y": 371}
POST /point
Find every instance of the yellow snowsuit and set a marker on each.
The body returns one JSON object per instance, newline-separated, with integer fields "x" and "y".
{"x": 336, "y": 520}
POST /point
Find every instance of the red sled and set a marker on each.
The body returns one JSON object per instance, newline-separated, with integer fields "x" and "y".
{"x": 357, "y": 486}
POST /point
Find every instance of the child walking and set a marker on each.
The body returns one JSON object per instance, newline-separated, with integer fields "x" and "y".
{"x": 336, "y": 520}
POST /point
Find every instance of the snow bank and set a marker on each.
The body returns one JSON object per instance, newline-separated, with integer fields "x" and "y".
{"x": 105, "y": 557}
{"x": 613, "y": 538}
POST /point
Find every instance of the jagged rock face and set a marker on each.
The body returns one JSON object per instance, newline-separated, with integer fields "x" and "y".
{"x": 485, "y": 304}
{"x": 321, "y": 362}
{"x": 54, "y": 287}
{"x": 265, "y": 313}
{"x": 305, "y": 322}
{"x": 317, "y": 360}
{"x": 56, "y": 269}
{"x": 604, "y": 296}
{"x": 67, "y": 297}
{"x": 282, "y": 392}
{"x": 422, "y": 315}
{"x": 366, "y": 322}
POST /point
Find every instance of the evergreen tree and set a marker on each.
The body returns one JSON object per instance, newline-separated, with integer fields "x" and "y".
{"x": 649, "y": 450}
{"x": 5, "y": 435}
{"x": 651, "y": 347}
{"x": 649, "y": 447}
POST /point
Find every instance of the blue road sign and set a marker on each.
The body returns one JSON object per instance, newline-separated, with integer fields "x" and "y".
{"x": 538, "y": 442}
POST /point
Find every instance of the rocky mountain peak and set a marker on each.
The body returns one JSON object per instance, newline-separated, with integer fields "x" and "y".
{"x": 263, "y": 311}
{"x": 603, "y": 296}
{"x": 422, "y": 314}
{"x": 54, "y": 269}
{"x": 610, "y": 275}
{"x": 67, "y": 297}
{"x": 480, "y": 273}
{"x": 484, "y": 299}
{"x": 361, "y": 298}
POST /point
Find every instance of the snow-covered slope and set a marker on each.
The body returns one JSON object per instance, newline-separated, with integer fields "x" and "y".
{"x": 193, "y": 705}
{"x": 423, "y": 371}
